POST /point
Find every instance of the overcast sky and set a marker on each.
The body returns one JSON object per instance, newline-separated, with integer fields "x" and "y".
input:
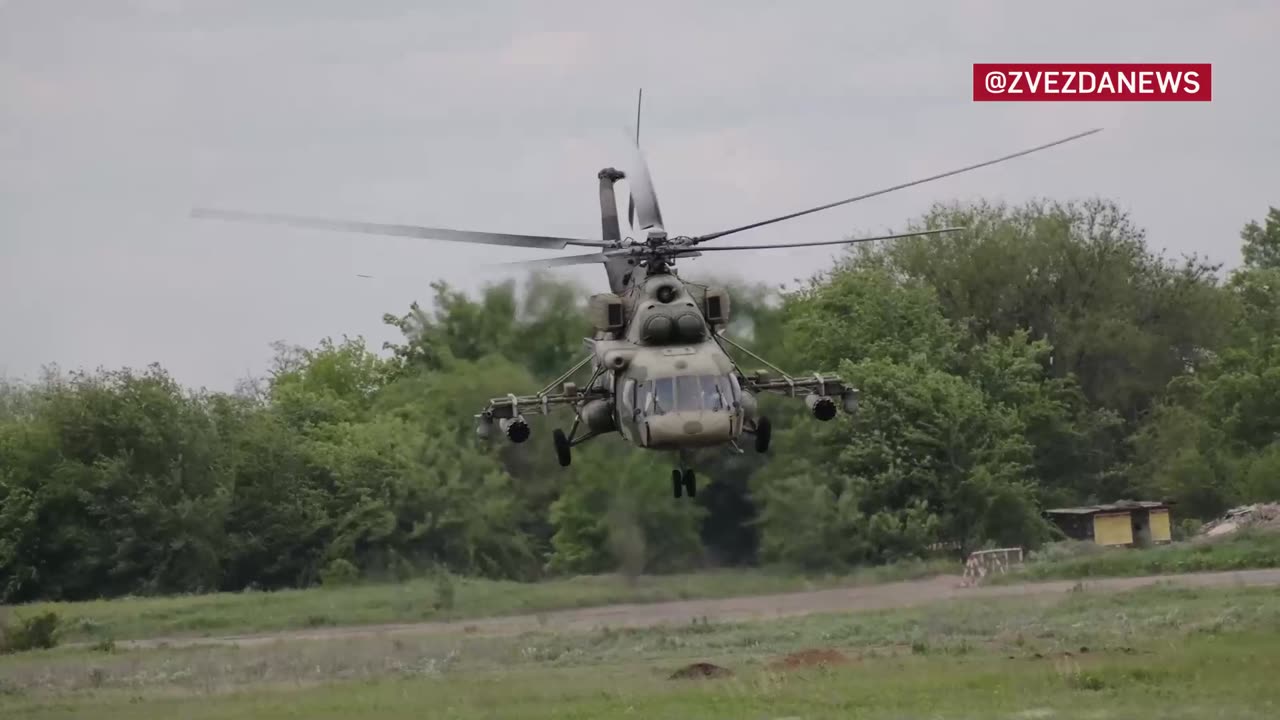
{"x": 117, "y": 117}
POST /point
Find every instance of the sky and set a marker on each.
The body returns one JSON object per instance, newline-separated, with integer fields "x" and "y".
{"x": 118, "y": 117}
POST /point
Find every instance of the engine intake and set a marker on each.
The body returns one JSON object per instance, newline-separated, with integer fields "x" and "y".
{"x": 516, "y": 429}
{"x": 822, "y": 407}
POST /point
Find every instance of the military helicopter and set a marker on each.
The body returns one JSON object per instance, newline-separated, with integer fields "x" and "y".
{"x": 661, "y": 375}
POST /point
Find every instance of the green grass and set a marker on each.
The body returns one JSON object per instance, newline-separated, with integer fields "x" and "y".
{"x": 1214, "y": 678}
{"x": 1156, "y": 652}
{"x": 417, "y": 600}
{"x": 1242, "y": 551}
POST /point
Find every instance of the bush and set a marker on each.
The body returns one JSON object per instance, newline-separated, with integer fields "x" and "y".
{"x": 444, "y": 590}
{"x": 339, "y": 572}
{"x": 1065, "y": 550}
{"x": 34, "y": 633}
{"x": 1187, "y": 529}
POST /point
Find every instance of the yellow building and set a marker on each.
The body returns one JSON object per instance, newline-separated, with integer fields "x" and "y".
{"x": 1127, "y": 523}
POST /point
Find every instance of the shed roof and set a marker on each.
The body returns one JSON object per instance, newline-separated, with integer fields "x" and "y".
{"x": 1122, "y": 506}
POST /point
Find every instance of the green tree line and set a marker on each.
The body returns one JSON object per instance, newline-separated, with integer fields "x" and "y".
{"x": 1047, "y": 356}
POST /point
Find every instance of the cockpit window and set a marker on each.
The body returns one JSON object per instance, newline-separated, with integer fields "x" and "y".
{"x": 687, "y": 393}
{"x": 664, "y": 395}
{"x": 713, "y": 393}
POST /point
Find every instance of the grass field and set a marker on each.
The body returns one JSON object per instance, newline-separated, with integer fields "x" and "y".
{"x": 463, "y": 598}
{"x": 420, "y": 600}
{"x": 1157, "y": 652}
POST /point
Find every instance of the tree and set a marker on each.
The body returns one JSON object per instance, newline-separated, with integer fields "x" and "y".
{"x": 1215, "y": 437}
{"x": 543, "y": 329}
{"x": 1261, "y": 247}
{"x": 931, "y": 455}
{"x": 1120, "y": 319}
{"x": 112, "y": 484}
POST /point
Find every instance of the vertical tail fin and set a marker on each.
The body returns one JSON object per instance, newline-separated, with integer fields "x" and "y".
{"x": 609, "y": 204}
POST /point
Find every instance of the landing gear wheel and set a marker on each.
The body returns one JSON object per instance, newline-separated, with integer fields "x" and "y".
{"x": 677, "y": 482}
{"x": 690, "y": 482}
{"x": 562, "y": 447}
{"x": 764, "y": 432}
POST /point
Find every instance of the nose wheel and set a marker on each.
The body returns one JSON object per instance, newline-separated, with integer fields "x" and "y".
{"x": 684, "y": 482}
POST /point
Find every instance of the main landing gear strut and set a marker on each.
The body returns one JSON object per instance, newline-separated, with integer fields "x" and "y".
{"x": 683, "y": 480}
{"x": 564, "y": 442}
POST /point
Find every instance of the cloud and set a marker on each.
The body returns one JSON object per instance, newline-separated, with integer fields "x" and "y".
{"x": 117, "y": 117}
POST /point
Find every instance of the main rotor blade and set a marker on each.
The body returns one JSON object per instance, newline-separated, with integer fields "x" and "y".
{"x": 434, "y": 233}
{"x": 643, "y": 195}
{"x": 722, "y": 233}
{"x": 558, "y": 261}
{"x": 849, "y": 241}
{"x": 636, "y": 252}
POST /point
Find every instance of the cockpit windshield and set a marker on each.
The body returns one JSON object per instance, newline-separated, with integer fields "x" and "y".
{"x": 685, "y": 393}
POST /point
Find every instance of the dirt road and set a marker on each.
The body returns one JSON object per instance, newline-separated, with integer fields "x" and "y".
{"x": 762, "y": 607}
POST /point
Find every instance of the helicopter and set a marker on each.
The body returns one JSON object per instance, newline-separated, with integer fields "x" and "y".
{"x": 661, "y": 373}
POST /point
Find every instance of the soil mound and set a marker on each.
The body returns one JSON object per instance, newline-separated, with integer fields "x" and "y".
{"x": 811, "y": 658}
{"x": 700, "y": 670}
{"x": 1261, "y": 516}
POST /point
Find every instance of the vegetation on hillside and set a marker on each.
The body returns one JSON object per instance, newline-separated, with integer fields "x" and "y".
{"x": 1048, "y": 356}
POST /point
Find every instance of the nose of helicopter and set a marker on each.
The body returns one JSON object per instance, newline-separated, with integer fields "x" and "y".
{"x": 690, "y": 429}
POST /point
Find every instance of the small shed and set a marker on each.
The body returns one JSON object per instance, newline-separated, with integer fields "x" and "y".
{"x": 1127, "y": 523}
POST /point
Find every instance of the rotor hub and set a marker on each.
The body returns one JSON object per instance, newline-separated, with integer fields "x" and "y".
{"x": 655, "y": 237}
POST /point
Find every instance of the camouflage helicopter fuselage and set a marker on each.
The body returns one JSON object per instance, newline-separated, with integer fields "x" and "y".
{"x": 672, "y": 385}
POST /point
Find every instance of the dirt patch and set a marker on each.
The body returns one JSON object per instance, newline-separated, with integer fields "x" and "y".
{"x": 1261, "y": 516}
{"x": 698, "y": 671}
{"x": 810, "y": 658}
